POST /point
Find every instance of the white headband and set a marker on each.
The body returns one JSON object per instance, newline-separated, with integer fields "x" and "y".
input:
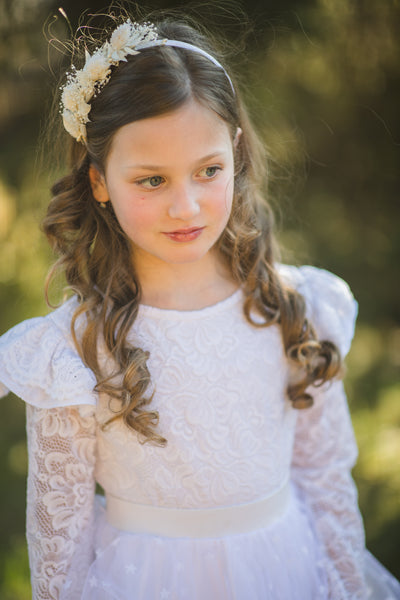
{"x": 127, "y": 39}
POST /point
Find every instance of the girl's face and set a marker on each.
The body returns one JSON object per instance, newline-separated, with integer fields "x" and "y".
{"x": 170, "y": 182}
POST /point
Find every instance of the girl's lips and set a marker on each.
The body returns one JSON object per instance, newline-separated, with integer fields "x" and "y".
{"x": 184, "y": 235}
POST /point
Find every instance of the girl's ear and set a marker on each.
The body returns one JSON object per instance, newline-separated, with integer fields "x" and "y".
{"x": 98, "y": 185}
{"x": 237, "y": 137}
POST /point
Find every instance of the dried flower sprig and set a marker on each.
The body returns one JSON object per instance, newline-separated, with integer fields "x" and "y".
{"x": 82, "y": 85}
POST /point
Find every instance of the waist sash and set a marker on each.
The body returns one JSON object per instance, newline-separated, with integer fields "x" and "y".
{"x": 197, "y": 522}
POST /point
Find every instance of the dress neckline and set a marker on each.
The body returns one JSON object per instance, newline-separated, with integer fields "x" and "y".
{"x": 200, "y": 313}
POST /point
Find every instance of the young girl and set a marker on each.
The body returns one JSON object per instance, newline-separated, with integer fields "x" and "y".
{"x": 190, "y": 375}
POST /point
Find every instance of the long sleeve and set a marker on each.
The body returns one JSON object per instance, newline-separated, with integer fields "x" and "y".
{"x": 40, "y": 364}
{"x": 60, "y": 499}
{"x": 325, "y": 450}
{"x": 324, "y": 453}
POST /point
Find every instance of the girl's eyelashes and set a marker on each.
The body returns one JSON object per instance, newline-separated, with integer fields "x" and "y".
{"x": 152, "y": 182}
{"x": 210, "y": 172}
{"x": 155, "y": 181}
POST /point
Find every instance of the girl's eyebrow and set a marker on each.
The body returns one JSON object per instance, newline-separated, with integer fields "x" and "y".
{"x": 160, "y": 167}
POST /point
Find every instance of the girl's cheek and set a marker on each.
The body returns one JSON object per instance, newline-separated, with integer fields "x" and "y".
{"x": 225, "y": 194}
{"x": 143, "y": 214}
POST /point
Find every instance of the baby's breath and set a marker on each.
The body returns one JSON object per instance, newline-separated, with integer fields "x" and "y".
{"x": 128, "y": 39}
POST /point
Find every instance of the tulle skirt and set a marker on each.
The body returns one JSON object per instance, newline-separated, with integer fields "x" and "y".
{"x": 279, "y": 562}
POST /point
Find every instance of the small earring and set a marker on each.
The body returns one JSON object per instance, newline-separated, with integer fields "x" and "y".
{"x": 103, "y": 205}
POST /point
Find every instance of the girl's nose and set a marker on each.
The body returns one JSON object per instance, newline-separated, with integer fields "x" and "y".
{"x": 184, "y": 203}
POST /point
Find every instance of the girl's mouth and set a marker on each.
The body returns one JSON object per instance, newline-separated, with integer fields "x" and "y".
{"x": 184, "y": 235}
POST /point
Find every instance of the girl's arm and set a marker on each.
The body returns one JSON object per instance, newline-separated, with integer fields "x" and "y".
{"x": 324, "y": 453}
{"x": 60, "y": 499}
{"x": 39, "y": 363}
{"x": 325, "y": 449}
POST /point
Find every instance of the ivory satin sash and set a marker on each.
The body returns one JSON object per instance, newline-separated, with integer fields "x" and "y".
{"x": 197, "y": 522}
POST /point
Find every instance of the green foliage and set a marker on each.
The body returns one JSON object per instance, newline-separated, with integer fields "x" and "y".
{"x": 322, "y": 78}
{"x": 15, "y": 583}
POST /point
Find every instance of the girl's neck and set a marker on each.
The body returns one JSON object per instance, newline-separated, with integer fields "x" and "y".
{"x": 184, "y": 286}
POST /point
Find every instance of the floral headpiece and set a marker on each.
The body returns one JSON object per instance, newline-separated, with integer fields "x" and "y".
{"x": 82, "y": 85}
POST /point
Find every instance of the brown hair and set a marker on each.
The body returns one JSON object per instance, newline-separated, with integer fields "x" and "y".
{"x": 94, "y": 252}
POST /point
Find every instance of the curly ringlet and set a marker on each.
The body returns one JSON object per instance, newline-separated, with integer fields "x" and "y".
{"x": 94, "y": 252}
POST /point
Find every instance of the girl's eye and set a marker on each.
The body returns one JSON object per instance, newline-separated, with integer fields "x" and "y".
{"x": 151, "y": 182}
{"x": 209, "y": 171}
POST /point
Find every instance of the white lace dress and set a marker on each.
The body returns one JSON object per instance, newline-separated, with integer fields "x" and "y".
{"x": 233, "y": 438}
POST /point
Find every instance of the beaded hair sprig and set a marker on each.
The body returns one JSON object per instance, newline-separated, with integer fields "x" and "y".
{"x": 82, "y": 85}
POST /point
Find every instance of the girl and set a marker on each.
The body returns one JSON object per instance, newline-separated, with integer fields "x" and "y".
{"x": 190, "y": 375}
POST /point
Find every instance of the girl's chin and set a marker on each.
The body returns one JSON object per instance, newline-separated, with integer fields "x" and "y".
{"x": 182, "y": 258}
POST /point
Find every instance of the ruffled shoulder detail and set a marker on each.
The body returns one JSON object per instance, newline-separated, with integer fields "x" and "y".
{"x": 331, "y": 306}
{"x": 39, "y": 362}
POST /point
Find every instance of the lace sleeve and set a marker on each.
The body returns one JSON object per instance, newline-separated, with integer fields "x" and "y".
{"x": 60, "y": 500}
{"x": 324, "y": 453}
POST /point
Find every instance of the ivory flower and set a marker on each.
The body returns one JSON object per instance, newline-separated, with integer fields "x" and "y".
{"x": 70, "y": 97}
{"x": 97, "y": 68}
{"x": 81, "y": 85}
{"x": 120, "y": 36}
{"x": 73, "y": 101}
{"x": 73, "y": 126}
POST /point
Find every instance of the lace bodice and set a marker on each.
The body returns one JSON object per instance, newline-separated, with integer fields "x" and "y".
{"x": 232, "y": 435}
{"x": 220, "y": 395}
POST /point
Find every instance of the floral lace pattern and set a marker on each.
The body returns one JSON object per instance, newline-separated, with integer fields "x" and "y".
{"x": 235, "y": 442}
{"x": 61, "y": 445}
{"x": 323, "y": 455}
{"x": 216, "y": 455}
{"x": 39, "y": 363}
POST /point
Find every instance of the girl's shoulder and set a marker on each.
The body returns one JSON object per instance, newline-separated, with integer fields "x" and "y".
{"x": 330, "y": 304}
{"x": 40, "y": 364}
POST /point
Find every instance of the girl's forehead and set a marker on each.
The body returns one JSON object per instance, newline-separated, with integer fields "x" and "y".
{"x": 191, "y": 129}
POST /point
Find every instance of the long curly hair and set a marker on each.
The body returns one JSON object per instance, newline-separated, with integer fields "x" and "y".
{"x": 95, "y": 254}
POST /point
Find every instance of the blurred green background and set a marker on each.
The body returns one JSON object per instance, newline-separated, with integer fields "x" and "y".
{"x": 322, "y": 81}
